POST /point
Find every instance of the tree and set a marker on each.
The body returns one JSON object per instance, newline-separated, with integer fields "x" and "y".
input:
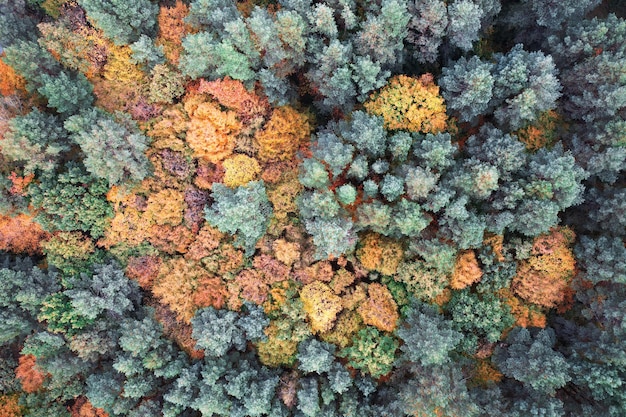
{"x": 244, "y": 211}
{"x": 410, "y": 104}
{"x": 72, "y": 201}
{"x": 37, "y": 140}
{"x": 530, "y": 359}
{"x": 67, "y": 93}
{"x": 428, "y": 337}
{"x": 113, "y": 147}
{"x": 372, "y": 352}
{"x": 120, "y": 21}
{"x": 467, "y": 87}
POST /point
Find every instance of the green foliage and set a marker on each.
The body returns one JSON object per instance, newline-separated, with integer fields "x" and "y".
{"x": 113, "y": 147}
{"x": 37, "y": 140}
{"x": 602, "y": 259}
{"x": 482, "y": 316}
{"x": 31, "y": 61}
{"x": 315, "y": 356}
{"x": 217, "y": 331}
{"x": 244, "y": 211}
{"x": 531, "y": 359}
{"x": 71, "y": 201}
{"x": 105, "y": 291}
{"x": 121, "y": 21}
{"x": 372, "y": 352}
{"x": 67, "y": 93}
{"x": 61, "y": 316}
{"x": 428, "y": 337}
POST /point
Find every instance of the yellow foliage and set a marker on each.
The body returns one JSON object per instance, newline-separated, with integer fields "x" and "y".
{"x": 380, "y": 253}
{"x": 283, "y": 195}
{"x": 353, "y": 297}
{"x": 320, "y": 305}
{"x": 342, "y": 280}
{"x": 166, "y": 207}
{"x": 276, "y": 352}
{"x": 128, "y": 226}
{"x": 119, "y": 67}
{"x": 239, "y": 170}
{"x": 408, "y": 103}
{"x": 380, "y": 309}
{"x": 283, "y": 134}
{"x": 466, "y": 271}
{"x": 286, "y": 252}
{"x": 176, "y": 285}
{"x": 169, "y": 130}
{"x": 212, "y": 133}
{"x": 348, "y": 324}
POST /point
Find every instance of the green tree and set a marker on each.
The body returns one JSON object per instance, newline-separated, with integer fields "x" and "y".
{"x": 113, "y": 146}
{"x": 121, "y": 21}
{"x": 244, "y": 211}
{"x": 73, "y": 200}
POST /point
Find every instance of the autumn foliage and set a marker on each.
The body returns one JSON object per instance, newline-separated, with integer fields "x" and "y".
{"x": 283, "y": 134}
{"x": 380, "y": 253}
{"x": 544, "y": 277}
{"x": 408, "y": 103}
{"x": 20, "y": 234}
{"x": 30, "y": 376}
{"x": 380, "y": 309}
{"x": 466, "y": 271}
{"x": 9, "y": 406}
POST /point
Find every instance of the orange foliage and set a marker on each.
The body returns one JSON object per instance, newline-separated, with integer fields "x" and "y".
{"x": 496, "y": 242}
{"x": 29, "y": 375}
{"x": 352, "y": 297}
{"x": 205, "y": 243}
{"x": 211, "y": 292}
{"x": 208, "y": 173}
{"x": 172, "y": 29}
{"x": 286, "y": 252}
{"x": 212, "y": 132}
{"x": 443, "y": 297}
{"x": 466, "y": 271}
{"x": 320, "y": 305}
{"x": 525, "y": 315}
{"x": 143, "y": 269}
{"x": 319, "y": 271}
{"x": 380, "y": 253}
{"x": 166, "y": 207}
{"x": 176, "y": 284}
{"x": 181, "y": 333}
{"x": 271, "y": 269}
{"x": 379, "y": 310}
{"x": 251, "y": 286}
{"x": 20, "y": 183}
{"x": 10, "y": 82}
{"x": 9, "y": 406}
{"x": 486, "y": 374}
{"x": 283, "y": 195}
{"x": 543, "y": 279}
{"x": 170, "y": 239}
{"x": 283, "y": 134}
{"x": 541, "y": 133}
{"x": 408, "y": 103}
{"x": 251, "y": 109}
{"x": 20, "y": 234}
{"x": 83, "y": 408}
{"x": 239, "y": 170}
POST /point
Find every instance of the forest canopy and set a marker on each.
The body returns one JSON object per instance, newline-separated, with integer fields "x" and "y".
{"x": 278, "y": 208}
